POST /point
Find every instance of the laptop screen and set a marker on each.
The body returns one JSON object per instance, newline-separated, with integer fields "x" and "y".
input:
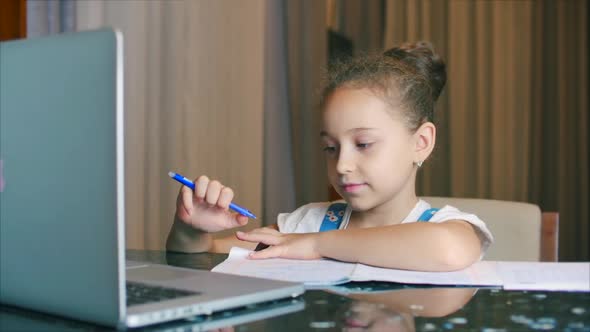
{"x": 61, "y": 157}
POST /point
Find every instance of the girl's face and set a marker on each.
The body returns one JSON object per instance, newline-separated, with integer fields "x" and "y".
{"x": 369, "y": 150}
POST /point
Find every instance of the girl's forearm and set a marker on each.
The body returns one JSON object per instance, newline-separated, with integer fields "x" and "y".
{"x": 416, "y": 246}
{"x": 183, "y": 238}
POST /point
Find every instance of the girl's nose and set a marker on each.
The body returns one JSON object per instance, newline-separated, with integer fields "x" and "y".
{"x": 345, "y": 163}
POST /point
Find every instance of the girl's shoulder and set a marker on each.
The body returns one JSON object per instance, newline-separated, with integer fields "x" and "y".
{"x": 305, "y": 219}
{"x": 441, "y": 213}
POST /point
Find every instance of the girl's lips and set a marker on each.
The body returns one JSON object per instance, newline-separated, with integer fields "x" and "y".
{"x": 353, "y": 187}
{"x": 354, "y": 322}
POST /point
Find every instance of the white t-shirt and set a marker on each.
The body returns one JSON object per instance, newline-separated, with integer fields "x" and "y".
{"x": 308, "y": 219}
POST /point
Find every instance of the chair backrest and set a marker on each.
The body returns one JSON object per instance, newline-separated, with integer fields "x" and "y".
{"x": 516, "y": 226}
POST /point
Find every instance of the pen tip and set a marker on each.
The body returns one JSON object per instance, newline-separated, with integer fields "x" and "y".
{"x": 170, "y": 174}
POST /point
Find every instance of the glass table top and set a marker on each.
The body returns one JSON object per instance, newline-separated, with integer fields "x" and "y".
{"x": 358, "y": 306}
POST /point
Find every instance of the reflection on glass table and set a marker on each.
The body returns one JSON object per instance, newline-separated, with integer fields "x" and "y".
{"x": 379, "y": 306}
{"x": 15, "y": 319}
{"x": 225, "y": 321}
{"x": 382, "y": 306}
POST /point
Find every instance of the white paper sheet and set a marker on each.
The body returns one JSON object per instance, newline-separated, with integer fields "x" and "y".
{"x": 545, "y": 276}
{"x": 311, "y": 272}
{"x": 325, "y": 272}
{"x": 479, "y": 274}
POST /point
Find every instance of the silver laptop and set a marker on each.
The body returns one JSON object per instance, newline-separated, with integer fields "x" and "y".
{"x": 62, "y": 184}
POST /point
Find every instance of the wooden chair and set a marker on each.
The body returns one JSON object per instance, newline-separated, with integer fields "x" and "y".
{"x": 550, "y": 237}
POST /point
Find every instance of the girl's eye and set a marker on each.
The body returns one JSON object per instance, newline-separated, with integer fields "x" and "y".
{"x": 330, "y": 149}
{"x": 363, "y": 145}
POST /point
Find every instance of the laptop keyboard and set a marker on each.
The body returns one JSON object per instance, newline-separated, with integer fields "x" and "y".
{"x": 139, "y": 293}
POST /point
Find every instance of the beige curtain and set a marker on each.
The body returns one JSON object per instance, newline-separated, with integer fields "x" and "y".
{"x": 513, "y": 121}
{"x": 278, "y": 178}
{"x": 360, "y": 21}
{"x": 194, "y": 98}
{"x": 306, "y": 59}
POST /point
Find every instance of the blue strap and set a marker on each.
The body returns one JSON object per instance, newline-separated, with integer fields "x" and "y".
{"x": 427, "y": 214}
{"x": 333, "y": 217}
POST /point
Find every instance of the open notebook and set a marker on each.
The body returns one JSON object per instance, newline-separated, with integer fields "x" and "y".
{"x": 326, "y": 272}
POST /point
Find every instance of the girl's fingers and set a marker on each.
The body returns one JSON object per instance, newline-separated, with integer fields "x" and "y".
{"x": 236, "y": 221}
{"x": 241, "y": 220}
{"x": 201, "y": 184}
{"x": 265, "y": 230}
{"x": 270, "y": 252}
{"x": 225, "y": 198}
{"x": 269, "y": 239}
{"x": 213, "y": 192}
{"x": 186, "y": 199}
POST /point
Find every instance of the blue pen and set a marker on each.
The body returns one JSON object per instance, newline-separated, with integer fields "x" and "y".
{"x": 191, "y": 185}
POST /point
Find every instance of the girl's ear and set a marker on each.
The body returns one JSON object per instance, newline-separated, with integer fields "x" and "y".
{"x": 425, "y": 139}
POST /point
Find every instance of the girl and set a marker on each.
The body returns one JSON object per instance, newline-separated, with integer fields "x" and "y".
{"x": 377, "y": 131}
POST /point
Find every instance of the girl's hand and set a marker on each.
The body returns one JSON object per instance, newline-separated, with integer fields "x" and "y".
{"x": 293, "y": 246}
{"x": 207, "y": 207}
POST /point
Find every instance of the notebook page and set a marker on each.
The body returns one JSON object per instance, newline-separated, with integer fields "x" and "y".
{"x": 312, "y": 273}
{"x": 545, "y": 276}
{"x": 482, "y": 273}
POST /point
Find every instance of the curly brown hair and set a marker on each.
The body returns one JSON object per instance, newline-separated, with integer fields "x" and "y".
{"x": 410, "y": 76}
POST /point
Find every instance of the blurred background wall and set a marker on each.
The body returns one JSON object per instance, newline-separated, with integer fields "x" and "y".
{"x": 230, "y": 89}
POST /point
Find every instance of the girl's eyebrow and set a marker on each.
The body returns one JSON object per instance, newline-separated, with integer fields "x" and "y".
{"x": 323, "y": 133}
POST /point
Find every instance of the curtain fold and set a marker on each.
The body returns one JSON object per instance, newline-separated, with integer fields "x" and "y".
{"x": 278, "y": 175}
{"x": 306, "y": 58}
{"x": 513, "y": 120}
{"x": 45, "y": 17}
{"x": 360, "y": 21}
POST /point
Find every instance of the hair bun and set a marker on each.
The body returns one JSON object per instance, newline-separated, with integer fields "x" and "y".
{"x": 421, "y": 57}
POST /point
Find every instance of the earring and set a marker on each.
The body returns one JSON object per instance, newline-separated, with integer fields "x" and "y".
{"x": 419, "y": 163}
